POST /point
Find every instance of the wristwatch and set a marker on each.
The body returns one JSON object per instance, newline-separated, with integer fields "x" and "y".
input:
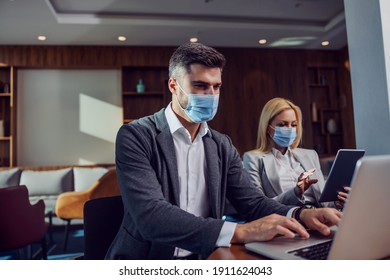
{"x": 298, "y": 211}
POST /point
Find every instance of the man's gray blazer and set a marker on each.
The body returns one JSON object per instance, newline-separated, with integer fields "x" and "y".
{"x": 153, "y": 224}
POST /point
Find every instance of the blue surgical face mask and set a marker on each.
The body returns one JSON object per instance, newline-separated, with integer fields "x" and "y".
{"x": 201, "y": 107}
{"x": 284, "y": 136}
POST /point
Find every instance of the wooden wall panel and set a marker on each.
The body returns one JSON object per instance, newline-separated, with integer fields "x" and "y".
{"x": 83, "y": 56}
{"x": 256, "y": 76}
{"x": 251, "y": 77}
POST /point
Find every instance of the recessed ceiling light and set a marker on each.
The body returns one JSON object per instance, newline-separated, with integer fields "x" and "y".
{"x": 122, "y": 38}
{"x": 42, "y": 38}
{"x": 193, "y": 40}
{"x": 325, "y": 43}
{"x": 262, "y": 41}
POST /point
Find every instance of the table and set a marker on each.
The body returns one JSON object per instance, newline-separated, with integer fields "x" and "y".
{"x": 234, "y": 252}
{"x": 238, "y": 252}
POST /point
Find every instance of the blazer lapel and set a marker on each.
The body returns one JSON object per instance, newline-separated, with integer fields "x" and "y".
{"x": 213, "y": 176}
{"x": 303, "y": 159}
{"x": 165, "y": 141}
{"x": 272, "y": 172}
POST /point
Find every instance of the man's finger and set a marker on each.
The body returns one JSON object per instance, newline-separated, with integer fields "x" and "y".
{"x": 317, "y": 225}
{"x": 294, "y": 225}
{"x": 329, "y": 218}
{"x": 290, "y": 228}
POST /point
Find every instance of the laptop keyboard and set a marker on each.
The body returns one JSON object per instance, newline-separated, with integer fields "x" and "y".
{"x": 314, "y": 252}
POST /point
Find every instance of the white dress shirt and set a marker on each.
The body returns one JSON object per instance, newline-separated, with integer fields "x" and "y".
{"x": 191, "y": 163}
{"x": 288, "y": 168}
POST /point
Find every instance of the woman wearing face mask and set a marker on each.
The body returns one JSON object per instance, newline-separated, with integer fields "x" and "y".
{"x": 280, "y": 169}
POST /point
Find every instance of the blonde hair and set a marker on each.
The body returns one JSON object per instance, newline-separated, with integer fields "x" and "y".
{"x": 270, "y": 110}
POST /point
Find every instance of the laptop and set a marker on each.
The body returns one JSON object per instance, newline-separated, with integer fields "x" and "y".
{"x": 364, "y": 229}
{"x": 341, "y": 173}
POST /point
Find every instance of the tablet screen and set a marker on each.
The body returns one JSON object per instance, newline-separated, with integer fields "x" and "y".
{"x": 341, "y": 173}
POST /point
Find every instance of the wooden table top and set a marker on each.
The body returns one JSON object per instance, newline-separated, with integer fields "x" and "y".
{"x": 234, "y": 252}
{"x": 238, "y": 252}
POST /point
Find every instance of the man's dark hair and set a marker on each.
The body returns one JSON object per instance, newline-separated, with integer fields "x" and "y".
{"x": 195, "y": 53}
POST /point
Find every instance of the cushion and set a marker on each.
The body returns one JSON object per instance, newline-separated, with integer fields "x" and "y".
{"x": 52, "y": 182}
{"x": 84, "y": 177}
{"x": 9, "y": 177}
{"x": 50, "y": 201}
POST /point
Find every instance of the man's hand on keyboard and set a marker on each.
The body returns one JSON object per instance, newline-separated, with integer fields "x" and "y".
{"x": 267, "y": 228}
{"x": 320, "y": 219}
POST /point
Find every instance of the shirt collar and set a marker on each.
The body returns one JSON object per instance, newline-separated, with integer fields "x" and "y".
{"x": 278, "y": 154}
{"x": 175, "y": 125}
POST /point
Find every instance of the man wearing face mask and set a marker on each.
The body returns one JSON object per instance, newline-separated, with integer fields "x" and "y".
{"x": 175, "y": 173}
{"x": 278, "y": 168}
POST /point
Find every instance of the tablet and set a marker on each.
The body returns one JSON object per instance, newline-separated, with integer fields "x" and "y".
{"x": 341, "y": 173}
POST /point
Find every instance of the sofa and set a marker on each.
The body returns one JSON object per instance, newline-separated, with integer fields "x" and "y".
{"x": 66, "y": 182}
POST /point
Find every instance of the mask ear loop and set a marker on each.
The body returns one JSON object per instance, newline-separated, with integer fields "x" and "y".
{"x": 177, "y": 98}
{"x": 178, "y": 102}
{"x": 269, "y": 132}
{"x": 270, "y": 136}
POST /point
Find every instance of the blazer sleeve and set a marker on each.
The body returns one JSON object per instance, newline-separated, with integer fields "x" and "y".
{"x": 254, "y": 165}
{"x": 289, "y": 198}
{"x": 249, "y": 201}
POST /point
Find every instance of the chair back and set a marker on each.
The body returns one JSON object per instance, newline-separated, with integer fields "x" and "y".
{"x": 102, "y": 218}
{"x": 20, "y": 222}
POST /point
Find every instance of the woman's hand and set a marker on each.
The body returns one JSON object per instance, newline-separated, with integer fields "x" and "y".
{"x": 304, "y": 182}
{"x": 342, "y": 197}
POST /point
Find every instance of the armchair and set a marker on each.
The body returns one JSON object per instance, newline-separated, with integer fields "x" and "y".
{"x": 21, "y": 223}
{"x": 70, "y": 205}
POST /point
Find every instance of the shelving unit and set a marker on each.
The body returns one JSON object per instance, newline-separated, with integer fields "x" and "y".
{"x": 153, "y": 98}
{"x": 7, "y": 138}
{"x": 326, "y": 122}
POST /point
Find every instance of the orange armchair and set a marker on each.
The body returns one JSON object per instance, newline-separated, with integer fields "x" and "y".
{"x": 21, "y": 223}
{"x": 70, "y": 205}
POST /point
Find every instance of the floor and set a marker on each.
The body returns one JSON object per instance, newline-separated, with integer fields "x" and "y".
{"x": 56, "y": 251}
